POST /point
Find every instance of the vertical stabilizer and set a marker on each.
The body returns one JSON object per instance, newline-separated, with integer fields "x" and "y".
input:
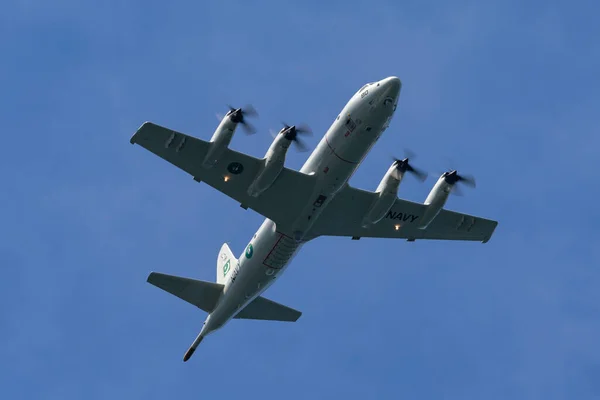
{"x": 226, "y": 261}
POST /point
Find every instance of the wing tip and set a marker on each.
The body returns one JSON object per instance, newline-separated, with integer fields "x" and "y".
{"x": 151, "y": 277}
{"x": 133, "y": 138}
{"x": 488, "y": 237}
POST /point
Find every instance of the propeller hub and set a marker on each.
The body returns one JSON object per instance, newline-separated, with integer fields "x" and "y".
{"x": 293, "y": 132}
{"x": 290, "y": 132}
{"x": 236, "y": 115}
{"x": 403, "y": 166}
{"x": 451, "y": 177}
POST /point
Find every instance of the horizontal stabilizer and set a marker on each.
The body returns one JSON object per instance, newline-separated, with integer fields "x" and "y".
{"x": 265, "y": 309}
{"x": 202, "y": 294}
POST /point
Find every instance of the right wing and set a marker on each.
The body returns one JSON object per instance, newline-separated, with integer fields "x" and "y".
{"x": 265, "y": 309}
{"x": 290, "y": 191}
{"x": 343, "y": 217}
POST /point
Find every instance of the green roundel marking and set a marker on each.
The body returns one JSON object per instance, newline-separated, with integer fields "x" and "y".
{"x": 226, "y": 268}
{"x": 235, "y": 168}
{"x": 249, "y": 251}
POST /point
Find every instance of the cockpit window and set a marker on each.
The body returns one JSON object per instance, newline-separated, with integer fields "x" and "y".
{"x": 363, "y": 88}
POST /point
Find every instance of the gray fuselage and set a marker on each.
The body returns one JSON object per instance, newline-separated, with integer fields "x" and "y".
{"x": 341, "y": 150}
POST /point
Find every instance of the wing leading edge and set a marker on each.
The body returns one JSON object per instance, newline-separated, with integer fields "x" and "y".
{"x": 343, "y": 217}
{"x": 232, "y": 175}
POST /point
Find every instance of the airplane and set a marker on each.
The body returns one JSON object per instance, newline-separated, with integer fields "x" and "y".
{"x": 300, "y": 206}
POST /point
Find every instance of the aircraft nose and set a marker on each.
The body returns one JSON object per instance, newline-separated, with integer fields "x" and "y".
{"x": 391, "y": 85}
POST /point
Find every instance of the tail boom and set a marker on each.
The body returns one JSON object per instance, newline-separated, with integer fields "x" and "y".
{"x": 192, "y": 348}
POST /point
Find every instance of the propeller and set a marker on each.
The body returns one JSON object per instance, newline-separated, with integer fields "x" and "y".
{"x": 403, "y": 166}
{"x": 238, "y": 115}
{"x": 452, "y": 177}
{"x": 291, "y": 133}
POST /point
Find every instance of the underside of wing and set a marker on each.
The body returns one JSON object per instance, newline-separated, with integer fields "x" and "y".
{"x": 232, "y": 174}
{"x": 345, "y": 213}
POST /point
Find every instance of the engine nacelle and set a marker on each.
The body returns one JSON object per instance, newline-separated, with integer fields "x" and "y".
{"x": 219, "y": 141}
{"x": 435, "y": 201}
{"x": 388, "y": 192}
{"x": 272, "y": 166}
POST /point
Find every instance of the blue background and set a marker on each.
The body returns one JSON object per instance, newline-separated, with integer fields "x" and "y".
{"x": 505, "y": 90}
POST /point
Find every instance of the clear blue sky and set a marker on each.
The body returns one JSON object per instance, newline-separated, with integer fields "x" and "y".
{"x": 507, "y": 91}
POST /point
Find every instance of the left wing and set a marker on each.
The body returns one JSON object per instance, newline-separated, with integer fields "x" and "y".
{"x": 202, "y": 294}
{"x": 290, "y": 191}
{"x": 343, "y": 217}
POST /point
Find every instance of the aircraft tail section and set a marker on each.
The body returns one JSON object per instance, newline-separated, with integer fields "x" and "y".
{"x": 202, "y": 294}
{"x": 225, "y": 263}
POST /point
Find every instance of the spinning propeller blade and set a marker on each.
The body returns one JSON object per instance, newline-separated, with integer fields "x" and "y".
{"x": 452, "y": 177}
{"x": 291, "y": 133}
{"x": 238, "y": 115}
{"x": 404, "y": 166}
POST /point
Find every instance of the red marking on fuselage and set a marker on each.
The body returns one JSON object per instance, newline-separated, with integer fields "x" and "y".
{"x": 275, "y": 246}
{"x": 272, "y": 249}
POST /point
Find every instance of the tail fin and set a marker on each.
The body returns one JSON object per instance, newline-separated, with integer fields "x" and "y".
{"x": 225, "y": 263}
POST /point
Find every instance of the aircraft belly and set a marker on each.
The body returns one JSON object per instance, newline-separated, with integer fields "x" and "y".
{"x": 334, "y": 161}
{"x": 334, "y": 168}
{"x": 266, "y": 256}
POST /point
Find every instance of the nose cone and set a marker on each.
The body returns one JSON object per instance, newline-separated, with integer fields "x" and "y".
{"x": 391, "y": 85}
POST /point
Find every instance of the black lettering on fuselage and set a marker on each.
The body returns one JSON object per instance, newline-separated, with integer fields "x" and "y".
{"x": 235, "y": 272}
{"x": 400, "y": 216}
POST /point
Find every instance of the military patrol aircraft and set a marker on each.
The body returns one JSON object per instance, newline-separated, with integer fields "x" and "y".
{"x": 299, "y": 206}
